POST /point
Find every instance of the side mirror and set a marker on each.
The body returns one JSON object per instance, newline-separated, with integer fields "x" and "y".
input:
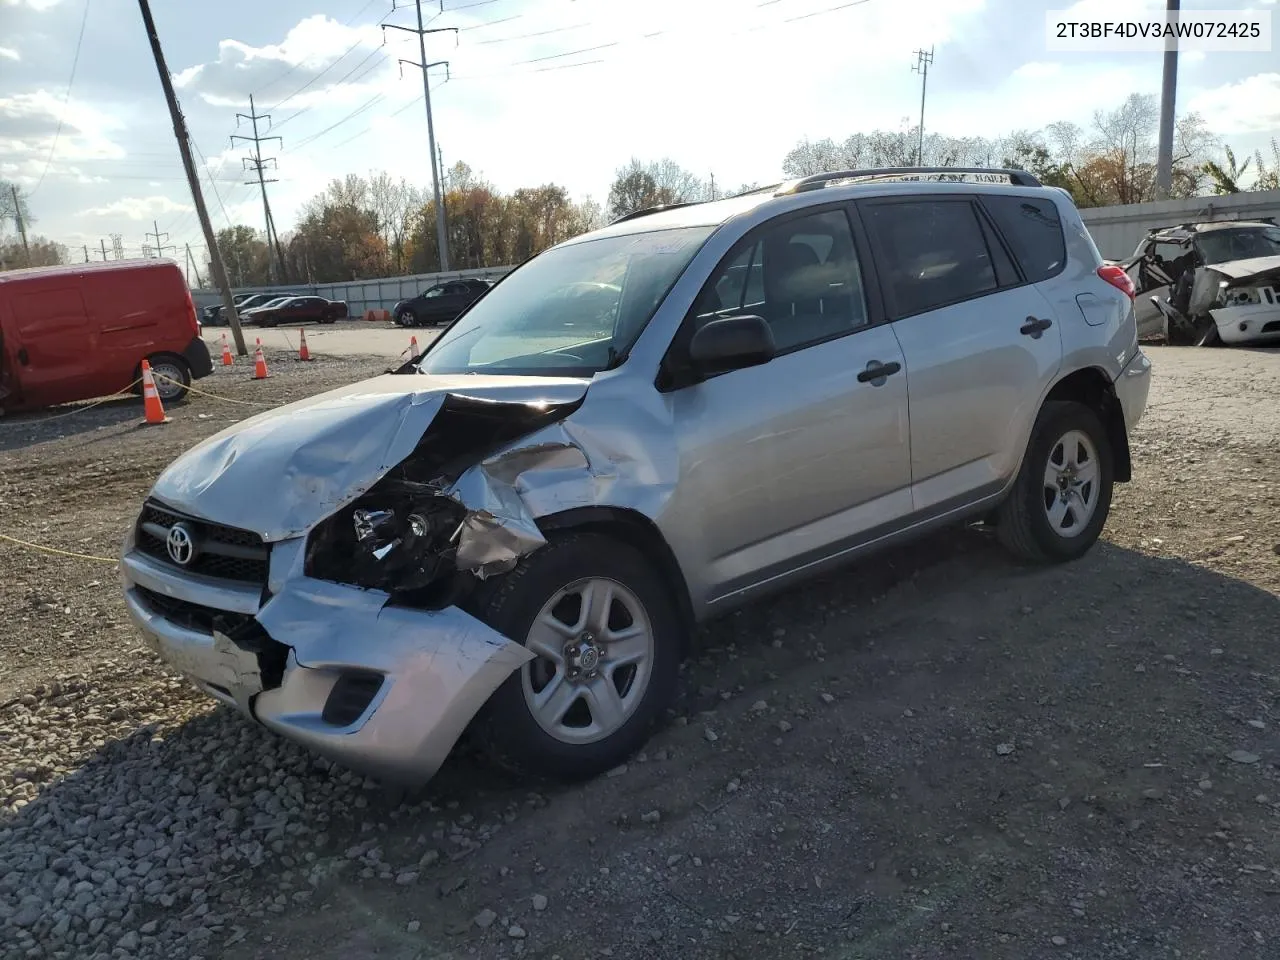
{"x": 731, "y": 344}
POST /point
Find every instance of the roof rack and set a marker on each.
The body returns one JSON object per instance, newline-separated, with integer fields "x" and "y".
{"x": 635, "y": 214}
{"x": 1018, "y": 178}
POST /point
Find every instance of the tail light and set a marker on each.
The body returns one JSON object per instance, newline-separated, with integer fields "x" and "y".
{"x": 1116, "y": 276}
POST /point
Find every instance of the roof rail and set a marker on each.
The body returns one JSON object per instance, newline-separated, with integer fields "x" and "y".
{"x": 1018, "y": 178}
{"x": 635, "y": 214}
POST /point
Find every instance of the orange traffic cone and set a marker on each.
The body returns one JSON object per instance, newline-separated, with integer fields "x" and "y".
{"x": 226, "y": 352}
{"x": 151, "y": 405}
{"x": 413, "y": 346}
{"x": 303, "y": 352}
{"x": 259, "y": 363}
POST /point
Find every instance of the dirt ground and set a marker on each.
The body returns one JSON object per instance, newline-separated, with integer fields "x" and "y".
{"x": 934, "y": 753}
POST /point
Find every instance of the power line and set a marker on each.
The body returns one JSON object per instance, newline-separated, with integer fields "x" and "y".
{"x": 377, "y": 51}
{"x": 277, "y": 106}
{"x": 66, "y": 98}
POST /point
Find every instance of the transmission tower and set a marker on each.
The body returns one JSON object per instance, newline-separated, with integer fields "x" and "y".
{"x": 924, "y": 60}
{"x": 160, "y": 246}
{"x": 257, "y": 164}
{"x": 442, "y": 235}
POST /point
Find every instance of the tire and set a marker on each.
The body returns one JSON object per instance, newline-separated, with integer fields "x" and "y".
{"x": 1038, "y": 531}
{"x": 508, "y": 729}
{"x": 174, "y": 376}
{"x": 406, "y": 318}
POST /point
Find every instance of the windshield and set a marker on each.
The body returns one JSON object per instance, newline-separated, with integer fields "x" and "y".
{"x": 277, "y": 302}
{"x": 571, "y": 311}
{"x": 1222, "y": 246}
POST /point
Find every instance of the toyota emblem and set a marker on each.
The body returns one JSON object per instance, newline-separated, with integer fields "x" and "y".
{"x": 181, "y": 544}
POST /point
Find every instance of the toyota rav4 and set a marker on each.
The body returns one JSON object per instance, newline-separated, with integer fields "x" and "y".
{"x": 517, "y": 532}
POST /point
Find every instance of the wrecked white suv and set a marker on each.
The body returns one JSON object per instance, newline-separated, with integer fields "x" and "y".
{"x": 636, "y": 430}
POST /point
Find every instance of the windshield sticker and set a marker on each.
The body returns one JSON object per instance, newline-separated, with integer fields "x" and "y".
{"x": 660, "y": 243}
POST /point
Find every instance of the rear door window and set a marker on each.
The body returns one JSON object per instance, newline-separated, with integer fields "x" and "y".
{"x": 930, "y": 253}
{"x": 1033, "y": 229}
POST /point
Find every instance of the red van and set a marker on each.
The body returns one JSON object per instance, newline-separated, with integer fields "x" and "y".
{"x": 81, "y": 331}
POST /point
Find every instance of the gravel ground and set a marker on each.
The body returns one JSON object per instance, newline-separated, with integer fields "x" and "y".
{"x": 937, "y": 753}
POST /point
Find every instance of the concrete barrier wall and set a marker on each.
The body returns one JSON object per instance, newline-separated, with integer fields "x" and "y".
{"x": 1118, "y": 230}
{"x": 361, "y": 295}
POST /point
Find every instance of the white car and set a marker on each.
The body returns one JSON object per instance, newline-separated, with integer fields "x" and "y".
{"x": 1209, "y": 283}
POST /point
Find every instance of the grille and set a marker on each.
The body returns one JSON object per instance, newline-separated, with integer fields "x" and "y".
{"x": 222, "y": 552}
{"x": 193, "y": 616}
{"x": 1271, "y": 326}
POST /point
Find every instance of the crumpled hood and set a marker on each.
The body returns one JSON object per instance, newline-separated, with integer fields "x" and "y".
{"x": 281, "y": 472}
{"x": 1242, "y": 269}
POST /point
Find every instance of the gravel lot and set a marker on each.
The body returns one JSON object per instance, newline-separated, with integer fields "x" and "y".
{"x": 937, "y": 753}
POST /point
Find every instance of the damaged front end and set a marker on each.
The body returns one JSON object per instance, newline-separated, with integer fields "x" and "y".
{"x": 347, "y": 635}
{"x": 1235, "y": 302}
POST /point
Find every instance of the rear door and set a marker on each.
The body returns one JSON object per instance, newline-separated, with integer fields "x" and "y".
{"x": 54, "y": 347}
{"x": 982, "y": 343}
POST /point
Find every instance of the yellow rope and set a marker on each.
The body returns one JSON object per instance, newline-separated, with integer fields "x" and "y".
{"x": 206, "y": 393}
{"x": 55, "y": 551}
{"x": 58, "y": 416}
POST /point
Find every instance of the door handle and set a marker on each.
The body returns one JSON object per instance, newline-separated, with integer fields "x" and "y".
{"x": 878, "y": 371}
{"x": 1034, "y": 327}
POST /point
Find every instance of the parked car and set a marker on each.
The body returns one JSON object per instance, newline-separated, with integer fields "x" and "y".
{"x": 214, "y": 313}
{"x": 290, "y": 310}
{"x": 1209, "y": 283}
{"x": 76, "y": 332}
{"x": 441, "y": 303}
{"x": 518, "y": 531}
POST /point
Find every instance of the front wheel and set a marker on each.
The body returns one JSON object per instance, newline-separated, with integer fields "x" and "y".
{"x": 1062, "y": 496}
{"x": 406, "y": 318}
{"x": 606, "y": 636}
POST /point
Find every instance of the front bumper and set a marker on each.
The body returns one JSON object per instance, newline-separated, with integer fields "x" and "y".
{"x": 1248, "y": 323}
{"x": 1132, "y": 388}
{"x": 197, "y": 356}
{"x": 383, "y": 690}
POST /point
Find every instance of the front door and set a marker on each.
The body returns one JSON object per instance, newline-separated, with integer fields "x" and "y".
{"x": 982, "y": 343}
{"x": 784, "y": 464}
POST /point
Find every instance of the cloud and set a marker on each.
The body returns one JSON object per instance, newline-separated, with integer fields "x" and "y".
{"x": 138, "y": 208}
{"x": 1251, "y": 105}
{"x": 9, "y": 53}
{"x": 1038, "y": 70}
{"x": 37, "y": 5}
{"x": 305, "y": 55}
{"x": 29, "y": 125}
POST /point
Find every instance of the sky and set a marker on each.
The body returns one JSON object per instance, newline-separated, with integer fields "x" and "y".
{"x": 536, "y": 91}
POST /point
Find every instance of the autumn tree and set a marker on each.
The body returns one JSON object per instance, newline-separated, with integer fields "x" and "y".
{"x": 246, "y": 256}
{"x": 38, "y": 252}
{"x": 638, "y": 185}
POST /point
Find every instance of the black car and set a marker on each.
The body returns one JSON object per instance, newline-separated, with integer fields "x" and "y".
{"x": 216, "y": 313}
{"x": 441, "y": 303}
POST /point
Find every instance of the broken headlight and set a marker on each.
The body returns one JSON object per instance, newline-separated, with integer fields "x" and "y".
{"x": 394, "y": 539}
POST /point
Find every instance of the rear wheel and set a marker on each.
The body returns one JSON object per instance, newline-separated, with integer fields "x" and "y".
{"x": 172, "y": 376}
{"x": 606, "y": 637}
{"x": 1062, "y": 496}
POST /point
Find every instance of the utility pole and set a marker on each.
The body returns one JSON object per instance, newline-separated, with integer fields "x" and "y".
{"x": 442, "y": 238}
{"x": 104, "y": 249}
{"x": 184, "y": 147}
{"x": 256, "y": 163}
{"x": 192, "y": 266}
{"x": 273, "y": 235}
{"x": 160, "y": 247}
{"x": 22, "y": 227}
{"x": 713, "y": 186}
{"x": 923, "y": 62}
{"x": 86, "y": 253}
{"x": 1168, "y": 96}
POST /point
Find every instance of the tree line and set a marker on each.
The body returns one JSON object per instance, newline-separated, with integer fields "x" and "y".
{"x": 365, "y": 227}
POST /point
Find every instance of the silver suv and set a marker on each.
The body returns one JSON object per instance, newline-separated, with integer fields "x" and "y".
{"x": 641, "y": 428}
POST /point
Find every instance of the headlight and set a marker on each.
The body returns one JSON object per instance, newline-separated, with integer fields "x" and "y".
{"x": 392, "y": 539}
